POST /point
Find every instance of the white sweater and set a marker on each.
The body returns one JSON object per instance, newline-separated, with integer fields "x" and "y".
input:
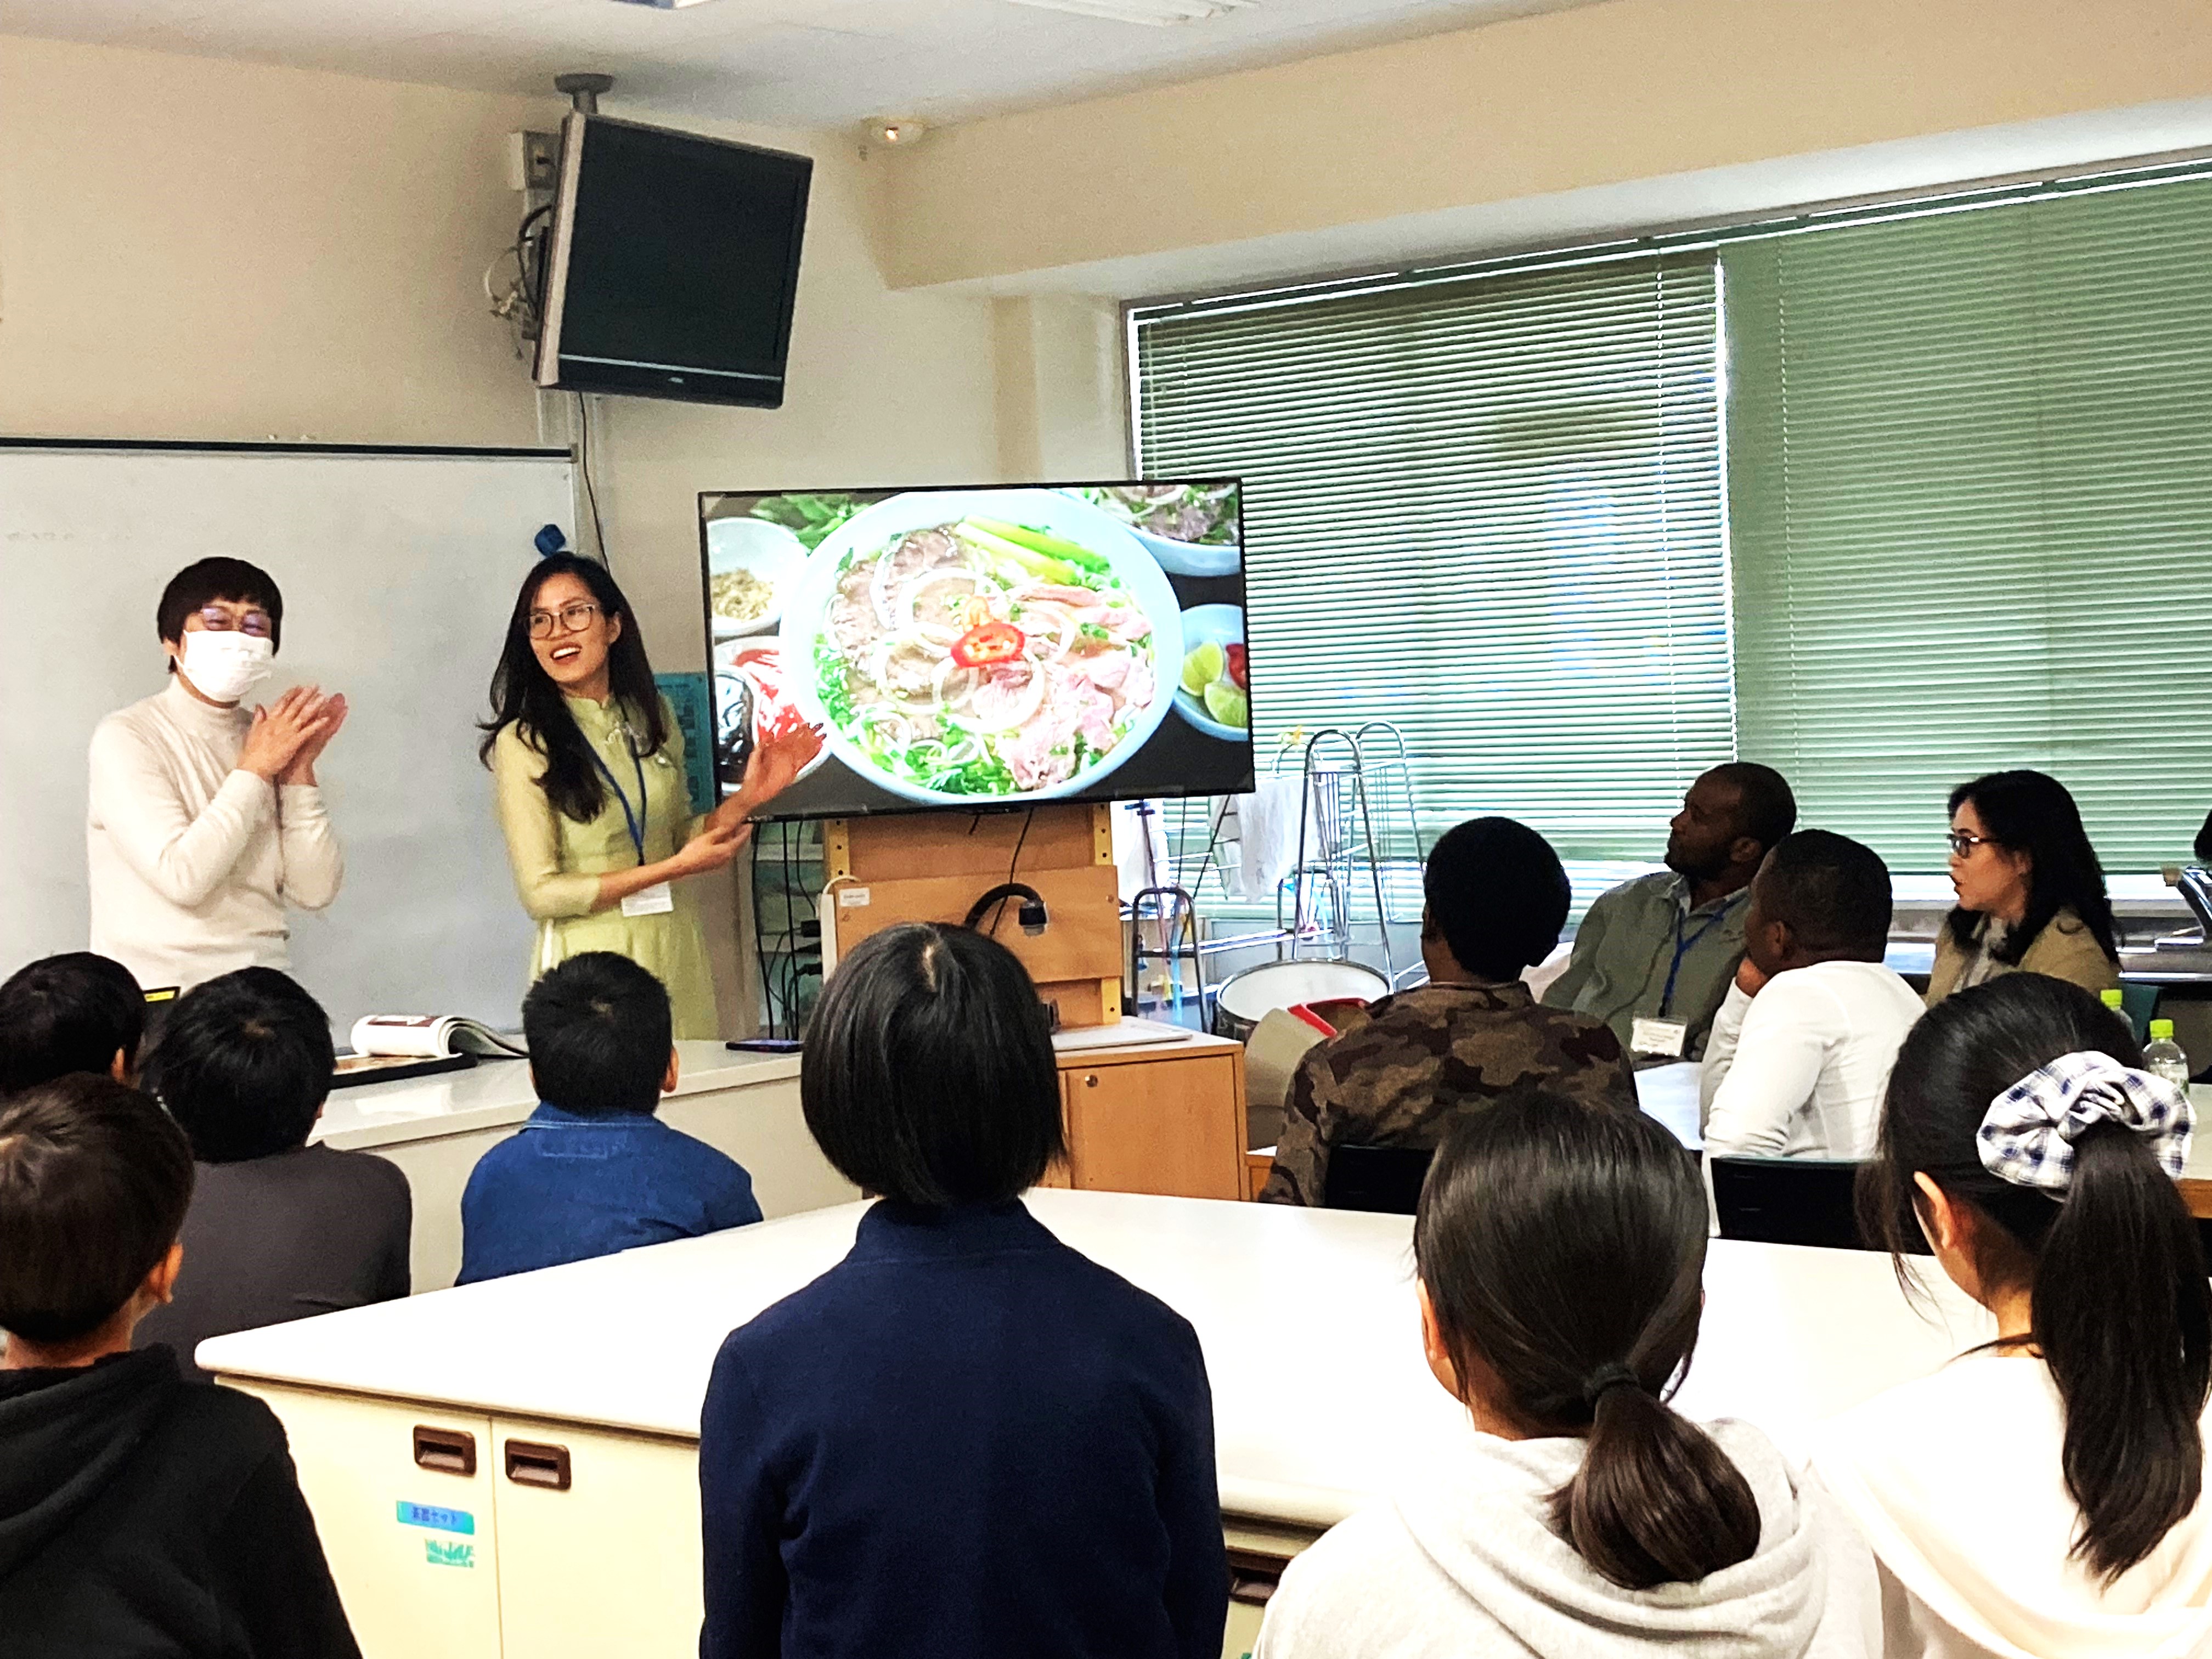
{"x": 1956, "y": 1482}
{"x": 191, "y": 860}
{"x": 1467, "y": 1566}
{"x": 1799, "y": 1070}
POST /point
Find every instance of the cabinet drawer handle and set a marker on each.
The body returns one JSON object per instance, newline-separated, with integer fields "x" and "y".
{"x": 449, "y": 1451}
{"x": 1090, "y": 1079}
{"x": 530, "y": 1463}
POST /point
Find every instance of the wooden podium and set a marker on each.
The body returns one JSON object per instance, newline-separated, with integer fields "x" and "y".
{"x": 933, "y": 867}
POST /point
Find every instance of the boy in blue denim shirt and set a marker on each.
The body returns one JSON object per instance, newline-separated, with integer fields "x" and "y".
{"x": 592, "y": 1170}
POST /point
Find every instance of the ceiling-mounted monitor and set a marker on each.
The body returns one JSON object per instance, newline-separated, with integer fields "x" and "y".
{"x": 673, "y": 264}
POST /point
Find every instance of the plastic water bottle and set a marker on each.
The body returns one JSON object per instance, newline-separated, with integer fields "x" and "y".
{"x": 2162, "y": 1055}
{"x": 2113, "y": 999}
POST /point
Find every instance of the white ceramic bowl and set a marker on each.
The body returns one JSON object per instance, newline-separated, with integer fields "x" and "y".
{"x": 1224, "y": 625}
{"x": 808, "y": 602}
{"x": 770, "y": 551}
{"x": 1192, "y": 558}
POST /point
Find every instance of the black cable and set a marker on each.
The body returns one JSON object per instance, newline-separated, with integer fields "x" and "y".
{"x": 760, "y": 940}
{"x": 999, "y": 910}
{"x": 584, "y": 465}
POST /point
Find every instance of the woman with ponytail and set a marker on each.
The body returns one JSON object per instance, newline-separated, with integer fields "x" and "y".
{"x": 2040, "y": 1496}
{"x": 1560, "y": 1253}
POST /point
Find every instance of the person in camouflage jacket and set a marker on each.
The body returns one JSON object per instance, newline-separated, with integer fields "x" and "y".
{"x": 1407, "y": 1065}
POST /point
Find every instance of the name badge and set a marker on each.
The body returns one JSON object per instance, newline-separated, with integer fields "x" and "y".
{"x": 655, "y": 900}
{"x": 1658, "y": 1036}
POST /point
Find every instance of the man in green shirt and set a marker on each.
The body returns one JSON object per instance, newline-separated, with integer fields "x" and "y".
{"x": 1653, "y": 957}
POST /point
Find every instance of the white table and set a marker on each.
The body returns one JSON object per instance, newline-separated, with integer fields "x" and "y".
{"x": 1322, "y": 1401}
{"x": 435, "y": 1128}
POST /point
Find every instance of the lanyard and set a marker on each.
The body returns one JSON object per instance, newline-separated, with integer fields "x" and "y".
{"x": 636, "y": 821}
{"x": 1683, "y": 947}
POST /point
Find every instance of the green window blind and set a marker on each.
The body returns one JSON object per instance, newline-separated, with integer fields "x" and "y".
{"x": 1486, "y": 509}
{"x": 1970, "y": 461}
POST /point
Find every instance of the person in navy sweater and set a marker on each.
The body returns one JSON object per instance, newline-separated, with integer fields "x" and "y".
{"x": 965, "y": 1441}
{"x": 592, "y": 1171}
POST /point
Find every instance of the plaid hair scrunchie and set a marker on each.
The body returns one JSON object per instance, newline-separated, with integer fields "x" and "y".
{"x": 2028, "y": 1135}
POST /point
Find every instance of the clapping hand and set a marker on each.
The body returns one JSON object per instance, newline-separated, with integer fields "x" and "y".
{"x": 281, "y": 744}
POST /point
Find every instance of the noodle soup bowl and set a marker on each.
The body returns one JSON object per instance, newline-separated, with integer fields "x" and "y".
{"x": 808, "y": 631}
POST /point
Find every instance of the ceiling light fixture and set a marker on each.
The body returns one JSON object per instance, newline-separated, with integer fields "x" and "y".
{"x": 663, "y": 5}
{"x": 1158, "y": 14}
{"x": 900, "y": 131}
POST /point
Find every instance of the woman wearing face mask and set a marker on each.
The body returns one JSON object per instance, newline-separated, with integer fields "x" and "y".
{"x": 592, "y": 796}
{"x": 2031, "y": 892}
{"x": 205, "y": 819}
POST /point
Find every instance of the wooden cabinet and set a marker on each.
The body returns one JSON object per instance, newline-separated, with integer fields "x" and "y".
{"x": 1168, "y": 1120}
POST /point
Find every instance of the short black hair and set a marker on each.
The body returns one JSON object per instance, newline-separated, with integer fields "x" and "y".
{"x": 598, "y": 1031}
{"x": 928, "y": 1075}
{"x": 205, "y": 580}
{"x": 1767, "y": 810}
{"x": 244, "y": 1063}
{"x": 1833, "y": 891}
{"x": 94, "y": 1181}
{"x": 1498, "y": 894}
{"x": 73, "y": 1012}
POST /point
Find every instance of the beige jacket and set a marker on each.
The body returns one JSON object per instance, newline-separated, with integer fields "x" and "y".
{"x": 2065, "y": 949}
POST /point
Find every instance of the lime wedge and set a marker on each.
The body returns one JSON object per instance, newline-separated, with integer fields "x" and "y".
{"x": 1202, "y": 667}
{"x": 1227, "y": 704}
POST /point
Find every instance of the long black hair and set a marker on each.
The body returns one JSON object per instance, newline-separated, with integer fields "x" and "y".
{"x": 525, "y": 696}
{"x": 1564, "y": 1250}
{"x": 2119, "y": 1304}
{"x": 2031, "y": 813}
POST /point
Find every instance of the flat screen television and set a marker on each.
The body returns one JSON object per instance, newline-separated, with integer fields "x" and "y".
{"x": 981, "y": 647}
{"x": 672, "y": 266}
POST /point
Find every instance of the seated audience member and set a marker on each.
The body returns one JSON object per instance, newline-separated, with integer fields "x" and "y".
{"x": 139, "y": 1513}
{"x": 965, "y": 1440}
{"x": 592, "y": 1171}
{"x": 1653, "y": 957}
{"x": 1496, "y": 899}
{"x": 2031, "y": 891}
{"x": 77, "y": 1012}
{"x": 1558, "y": 1253}
{"x": 1804, "y": 1042}
{"x": 279, "y": 1230}
{"x": 2043, "y": 1493}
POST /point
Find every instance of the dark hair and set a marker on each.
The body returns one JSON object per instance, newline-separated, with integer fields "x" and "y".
{"x": 244, "y": 1063}
{"x": 525, "y": 696}
{"x": 1833, "y": 891}
{"x": 1564, "y": 1250}
{"x": 1767, "y": 810}
{"x": 1497, "y": 894}
{"x": 68, "y": 1013}
{"x": 94, "y": 1181}
{"x": 205, "y": 580}
{"x": 2116, "y": 1275}
{"x": 2031, "y": 813}
{"x": 598, "y": 1031}
{"x": 928, "y": 1075}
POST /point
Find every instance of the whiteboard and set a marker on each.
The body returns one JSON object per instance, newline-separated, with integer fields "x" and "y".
{"x": 398, "y": 569}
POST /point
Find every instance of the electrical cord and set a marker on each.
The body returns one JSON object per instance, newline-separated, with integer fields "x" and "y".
{"x": 584, "y": 465}
{"x": 999, "y": 910}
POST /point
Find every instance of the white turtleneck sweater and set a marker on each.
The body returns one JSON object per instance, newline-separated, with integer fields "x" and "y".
{"x": 192, "y": 860}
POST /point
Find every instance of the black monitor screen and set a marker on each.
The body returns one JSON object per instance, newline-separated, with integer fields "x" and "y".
{"x": 984, "y": 646}
{"x": 676, "y": 261}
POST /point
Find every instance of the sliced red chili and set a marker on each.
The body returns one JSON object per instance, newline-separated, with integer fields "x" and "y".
{"x": 990, "y": 642}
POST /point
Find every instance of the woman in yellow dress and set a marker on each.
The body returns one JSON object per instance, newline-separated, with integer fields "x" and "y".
{"x": 593, "y": 796}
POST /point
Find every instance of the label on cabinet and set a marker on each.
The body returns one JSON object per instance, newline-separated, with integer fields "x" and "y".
{"x": 436, "y": 1517}
{"x": 443, "y": 1554}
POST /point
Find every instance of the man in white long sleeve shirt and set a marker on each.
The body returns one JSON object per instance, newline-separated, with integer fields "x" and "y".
{"x": 1801, "y": 1050}
{"x": 204, "y": 818}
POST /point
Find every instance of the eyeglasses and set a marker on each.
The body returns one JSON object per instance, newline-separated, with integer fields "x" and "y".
{"x": 253, "y": 623}
{"x": 573, "y": 619}
{"x": 1963, "y": 844}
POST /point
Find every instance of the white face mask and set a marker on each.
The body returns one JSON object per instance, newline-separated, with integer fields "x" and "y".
{"x": 225, "y": 667}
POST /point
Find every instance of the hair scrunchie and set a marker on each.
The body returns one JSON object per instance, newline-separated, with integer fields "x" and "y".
{"x": 1605, "y": 1379}
{"x": 2027, "y": 1134}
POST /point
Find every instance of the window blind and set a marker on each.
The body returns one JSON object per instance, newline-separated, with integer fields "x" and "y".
{"x": 1486, "y": 509}
{"x": 1970, "y": 462}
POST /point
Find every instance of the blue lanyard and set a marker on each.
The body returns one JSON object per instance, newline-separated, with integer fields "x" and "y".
{"x": 1683, "y": 947}
{"x": 635, "y": 821}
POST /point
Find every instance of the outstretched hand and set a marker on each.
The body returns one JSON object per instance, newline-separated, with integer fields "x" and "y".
{"x": 772, "y": 768}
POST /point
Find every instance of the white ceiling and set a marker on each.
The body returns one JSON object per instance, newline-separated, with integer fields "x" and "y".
{"x": 786, "y": 63}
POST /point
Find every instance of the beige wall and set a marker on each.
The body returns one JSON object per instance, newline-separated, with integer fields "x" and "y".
{"x": 1572, "y": 100}
{"x": 202, "y": 249}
